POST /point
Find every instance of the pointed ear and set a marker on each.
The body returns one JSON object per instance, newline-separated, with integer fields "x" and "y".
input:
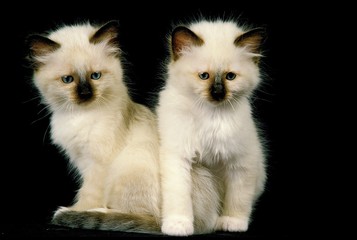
{"x": 109, "y": 32}
{"x": 39, "y": 45}
{"x": 183, "y": 38}
{"x": 251, "y": 40}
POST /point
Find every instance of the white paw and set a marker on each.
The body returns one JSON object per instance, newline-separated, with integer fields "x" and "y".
{"x": 177, "y": 226}
{"x": 232, "y": 224}
{"x": 61, "y": 210}
{"x": 102, "y": 210}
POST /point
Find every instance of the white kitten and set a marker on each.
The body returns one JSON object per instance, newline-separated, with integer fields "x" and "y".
{"x": 109, "y": 139}
{"x": 205, "y": 117}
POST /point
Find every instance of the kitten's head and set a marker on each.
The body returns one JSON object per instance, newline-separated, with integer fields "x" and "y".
{"x": 217, "y": 61}
{"x": 76, "y": 66}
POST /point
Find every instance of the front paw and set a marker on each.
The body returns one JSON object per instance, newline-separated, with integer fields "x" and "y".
{"x": 177, "y": 226}
{"x": 232, "y": 224}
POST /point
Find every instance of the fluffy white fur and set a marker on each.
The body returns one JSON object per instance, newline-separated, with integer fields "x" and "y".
{"x": 220, "y": 135}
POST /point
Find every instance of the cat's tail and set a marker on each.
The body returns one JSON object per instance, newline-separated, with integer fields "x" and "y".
{"x": 111, "y": 221}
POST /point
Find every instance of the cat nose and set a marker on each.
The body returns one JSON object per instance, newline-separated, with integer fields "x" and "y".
{"x": 218, "y": 87}
{"x": 84, "y": 91}
{"x": 218, "y": 92}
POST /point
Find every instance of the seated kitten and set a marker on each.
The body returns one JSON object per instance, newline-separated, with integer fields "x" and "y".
{"x": 205, "y": 118}
{"x": 109, "y": 139}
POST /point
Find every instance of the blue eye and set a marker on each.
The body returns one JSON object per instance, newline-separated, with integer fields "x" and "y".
{"x": 95, "y": 75}
{"x": 230, "y": 76}
{"x": 204, "y": 75}
{"x": 67, "y": 79}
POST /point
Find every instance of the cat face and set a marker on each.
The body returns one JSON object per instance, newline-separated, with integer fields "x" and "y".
{"x": 76, "y": 66}
{"x": 217, "y": 62}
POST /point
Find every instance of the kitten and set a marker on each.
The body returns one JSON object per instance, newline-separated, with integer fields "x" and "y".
{"x": 111, "y": 141}
{"x": 205, "y": 117}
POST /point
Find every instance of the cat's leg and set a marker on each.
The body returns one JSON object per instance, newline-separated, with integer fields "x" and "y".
{"x": 205, "y": 199}
{"x": 243, "y": 184}
{"x": 177, "y": 212}
{"x": 133, "y": 183}
{"x": 90, "y": 195}
{"x": 91, "y": 192}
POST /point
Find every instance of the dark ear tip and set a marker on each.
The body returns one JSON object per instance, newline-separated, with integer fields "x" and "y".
{"x": 29, "y": 43}
{"x": 262, "y": 31}
{"x": 258, "y": 30}
{"x": 112, "y": 23}
{"x": 30, "y": 39}
{"x": 179, "y": 29}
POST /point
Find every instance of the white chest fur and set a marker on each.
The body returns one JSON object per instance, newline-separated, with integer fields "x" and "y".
{"x": 86, "y": 136}
{"x": 221, "y": 134}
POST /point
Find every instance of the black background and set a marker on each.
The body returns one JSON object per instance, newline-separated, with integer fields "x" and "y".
{"x": 34, "y": 175}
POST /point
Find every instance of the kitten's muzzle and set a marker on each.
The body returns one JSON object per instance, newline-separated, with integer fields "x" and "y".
{"x": 218, "y": 90}
{"x": 84, "y": 91}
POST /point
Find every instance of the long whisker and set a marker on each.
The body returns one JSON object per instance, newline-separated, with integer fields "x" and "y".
{"x": 254, "y": 98}
{"x": 43, "y": 109}
{"x": 230, "y": 103}
{"x": 31, "y": 99}
{"x": 199, "y": 101}
{"x": 236, "y": 100}
{"x": 44, "y": 135}
{"x": 33, "y": 122}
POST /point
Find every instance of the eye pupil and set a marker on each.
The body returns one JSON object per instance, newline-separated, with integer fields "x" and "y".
{"x": 67, "y": 79}
{"x": 96, "y": 75}
{"x": 230, "y": 76}
{"x": 204, "y": 75}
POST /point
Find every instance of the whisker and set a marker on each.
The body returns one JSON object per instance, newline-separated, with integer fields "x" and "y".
{"x": 44, "y": 135}
{"x": 230, "y": 103}
{"x": 103, "y": 102}
{"x": 43, "y": 109}
{"x": 198, "y": 102}
{"x": 265, "y": 92}
{"x": 33, "y": 122}
{"x": 31, "y": 99}
{"x": 254, "y": 98}
{"x": 235, "y": 100}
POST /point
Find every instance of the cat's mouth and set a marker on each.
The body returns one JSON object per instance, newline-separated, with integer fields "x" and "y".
{"x": 223, "y": 99}
{"x": 83, "y": 102}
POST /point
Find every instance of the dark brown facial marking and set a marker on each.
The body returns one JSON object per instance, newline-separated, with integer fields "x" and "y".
{"x": 84, "y": 91}
{"x": 218, "y": 89}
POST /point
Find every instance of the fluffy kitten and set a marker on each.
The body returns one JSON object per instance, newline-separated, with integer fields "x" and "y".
{"x": 109, "y": 139}
{"x": 205, "y": 117}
